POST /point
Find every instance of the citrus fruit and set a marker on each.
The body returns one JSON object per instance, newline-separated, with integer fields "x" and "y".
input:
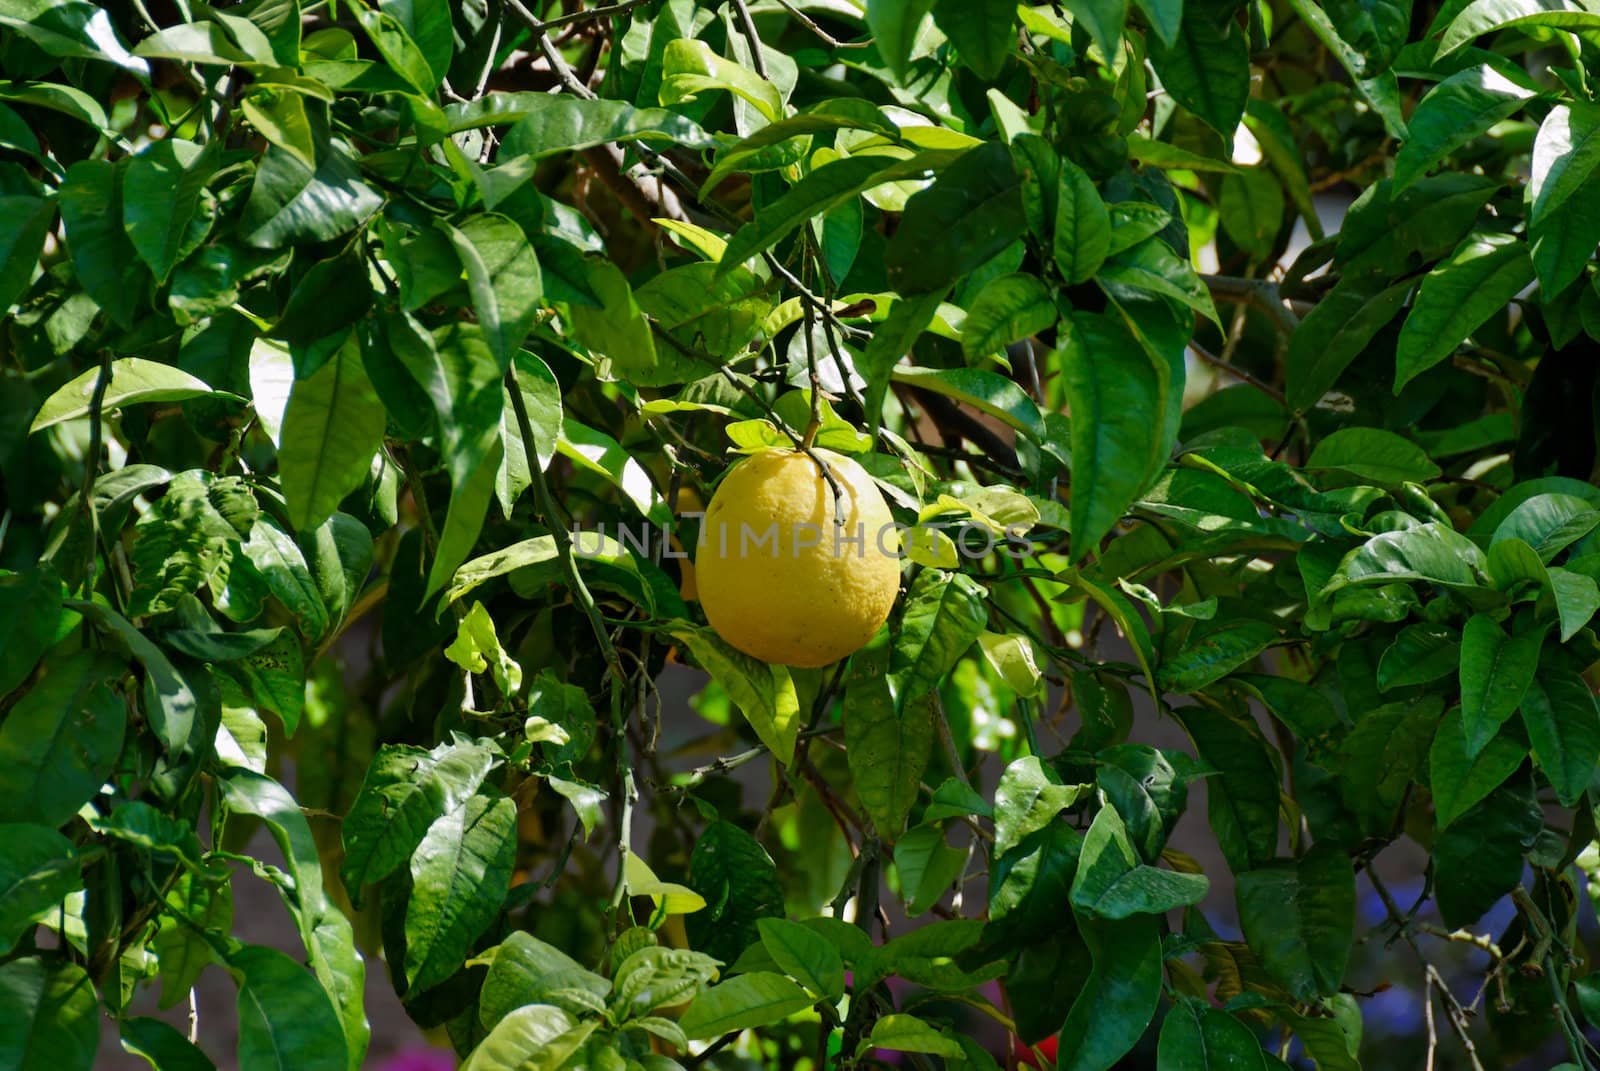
{"x": 778, "y": 578}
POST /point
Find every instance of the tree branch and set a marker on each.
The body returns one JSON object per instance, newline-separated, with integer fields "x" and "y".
{"x": 1239, "y": 373}
{"x": 1261, "y": 293}
{"x": 558, "y": 531}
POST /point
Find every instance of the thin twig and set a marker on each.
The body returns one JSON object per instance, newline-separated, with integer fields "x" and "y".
{"x": 605, "y": 11}
{"x": 1427, "y": 1015}
{"x": 1458, "y": 1017}
{"x": 91, "y": 464}
{"x": 558, "y": 531}
{"x": 747, "y": 26}
{"x": 811, "y": 24}
{"x": 1239, "y": 373}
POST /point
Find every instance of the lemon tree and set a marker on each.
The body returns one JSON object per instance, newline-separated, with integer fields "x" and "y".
{"x": 749, "y": 533}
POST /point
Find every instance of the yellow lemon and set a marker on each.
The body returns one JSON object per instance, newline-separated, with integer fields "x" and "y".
{"x": 778, "y": 578}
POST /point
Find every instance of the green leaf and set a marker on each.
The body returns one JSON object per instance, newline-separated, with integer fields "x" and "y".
{"x": 1104, "y": 19}
{"x": 162, "y": 206}
{"x": 169, "y": 704}
{"x": 1565, "y": 155}
{"x": 324, "y": 929}
{"x": 749, "y": 1000}
{"x": 406, "y": 790}
{"x": 1154, "y": 268}
{"x": 1119, "y": 997}
{"x": 286, "y": 1022}
{"x": 286, "y": 119}
{"x": 1334, "y": 333}
{"x": 987, "y": 392}
{"x": 1454, "y": 113}
{"x": 536, "y": 1037}
{"x": 1132, "y": 222}
{"x": 1298, "y": 917}
{"x": 1420, "y": 653}
{"x": 1011, "y": 655}
{"x": 618, "y": 330}
{"x": 1496, "y": 671}
{"x": 460, "y": 874}
{"x": 690, "y": 67}
{"x": 283, "y": 567}
{"x": 1251, "y": 207}
{"x": 907, "y": 1033}
{"x": 1564, "y": 727}
{"x": 162, "y": 1047}
{"x": 274, "y": 678}
{"x": 545, "y": 124}
{"x": 931, "y": 956}
{"x": 104, "y": 259}
{"x": 653, "y": 977}
{"x": 31, "y": 620}
{"x": 1207, "y": 70}
{"x": 525, "y": 970}
{"x": 1115, "y": 395}
{"x": 503, "y": 279}
{"x": 927, "y": 865}
{"x": 61, "y": 740}
{"x": 738, "y": 879}
{"x": 818, "y": 192}
{"x": 481, "y": 570}
{"x": 765, "y": 693}
{"x": 1030, "y": 881}
{"x": 1082, "y": 237}
{"x": 1456, "y": 298}
{"x": 1487, "y": 16}
{"x": 1577, "y": 599}
{"x": 1548, "y": 523}
{"x": 1373, "y": 454}
{"x": 134, "y": 380}
{"x": 972, "y": 211}
{"x": 340, "y": 554}
{"x": 887, "y": 743}
{"x": 477, "y": 649}
{"x": 1242, "y": 803}
{"x": 704, "y": 307}
{"x": 1479, "y": 859}
{"x": 541, "y": 397}
{"x": 1007, "y": 309}
{"x": 290, "y": 201}
{"x": 1212, "y": 652}
{"x": 1028, "y": 798}
{"x": 39, "y": 868}
{"x": 1375, "y": 31}
{"x": 982, "y": 31}
{"x": 943, "y": 614}
{"x": 1431, "y": 552}
{"x": 48, "y": 1016}
{"x": 895, "y": 26}
{"x": 27, "y": 221}
{"x": 332, "y": 428}
{"x": 1563, "y": 240}
{"x": 1205, "y": 1039}
{"x": 393, "y": 41}
{"x": 1167, "y": 156}
{"x": 805, "y": 956}
{"x": 841, "y": 113}
{"x": 1111, "y": 882}
{"x": 80, "y": 30}
{"x": 1460, "y": 779}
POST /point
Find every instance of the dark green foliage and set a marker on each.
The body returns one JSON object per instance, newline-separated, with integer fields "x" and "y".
{"x": 325, "y": 323}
